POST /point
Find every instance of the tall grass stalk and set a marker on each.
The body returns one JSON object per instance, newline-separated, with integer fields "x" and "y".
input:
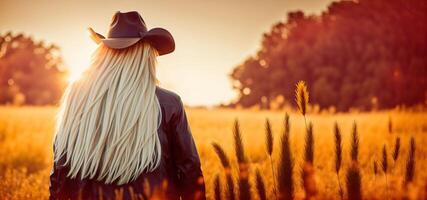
{"x": 259, "y": 181}
{"x": 230, "y": 187}
{"x": 244, "y": 187}
{"x": 227, "y": 168}
{"x": 354, "y": 143}
{"x": 285, "y": 166}
{"x": 410, "y": 163}
{"x": 396, "y": 150}
{"x": 269, "y": 145}
{"x": 301, "y": 98}
{"x": 354, "y": 182}
{"x": 385, "y": 169}
{"x": 238, "y": 143}
{"x": 354, "y": 179}
{"x": 221, "y": 155}
{"x": 217, "y": 188}
{"x": 309, "y": 145}
{"x": 308, "y": 173}
{"x": 338, "y": 157}
{"x": 269, "y": 137}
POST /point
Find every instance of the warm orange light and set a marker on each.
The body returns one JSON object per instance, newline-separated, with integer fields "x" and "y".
{"x": 74, "y": 75}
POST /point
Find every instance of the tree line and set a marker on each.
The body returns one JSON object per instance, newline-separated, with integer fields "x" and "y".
{"x": 31, "y": 72}
{"x": 366, "y": 54}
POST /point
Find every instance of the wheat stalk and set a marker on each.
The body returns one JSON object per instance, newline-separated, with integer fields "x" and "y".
{"x": 354, "y": 143}
{"x": 375, "y": 169}
{"x": 260, "y": 186}
{"x": 230, "y": 187}
{"x": 244, "y": 187}
{"x": 301, "y": 95}
{"x": 309, "y": 145}
{"x": 238, "y": 143}
{"x": 269, "y": 144}
{"x": 217, "y": 188}
{"x": 308, "y": 173}
{"x": 354, "y": 182}
{"x": 338, "y": 156}
{"x": 385, "y": 163}
{"x": 226, "y": 164}
{"x": 396, "y": 149}
{"x": 221, "y": 154}
{"x": 385, "y": 168}
{"x": 285, "y": 166}
{"x": 410, "y": 163}
{"x": 354, "y": 179}
{"x": 301, "y": 98}
{"x": 269, "y": 137}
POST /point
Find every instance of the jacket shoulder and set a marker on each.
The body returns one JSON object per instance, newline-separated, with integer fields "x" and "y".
{"x": 167, "y": 97}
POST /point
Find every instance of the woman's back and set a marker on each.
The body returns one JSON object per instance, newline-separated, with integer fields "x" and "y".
{"x": 178, "y": 173}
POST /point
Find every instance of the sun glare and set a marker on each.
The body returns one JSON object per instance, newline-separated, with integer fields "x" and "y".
{"x": 74, "y": 76}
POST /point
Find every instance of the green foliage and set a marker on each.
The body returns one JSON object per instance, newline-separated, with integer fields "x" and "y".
{"x": 363, "y": 54}
{"x": 30, "y": 72}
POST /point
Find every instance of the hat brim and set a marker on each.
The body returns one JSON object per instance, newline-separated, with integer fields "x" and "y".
{"x": 159, "y": 38}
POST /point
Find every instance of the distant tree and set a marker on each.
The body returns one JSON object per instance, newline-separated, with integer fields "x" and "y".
{"x": 30, "y": 72}
{"x": 358, "y": 54}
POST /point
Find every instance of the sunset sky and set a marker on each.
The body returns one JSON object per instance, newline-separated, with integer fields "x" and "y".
{"x": 211, "y": 36}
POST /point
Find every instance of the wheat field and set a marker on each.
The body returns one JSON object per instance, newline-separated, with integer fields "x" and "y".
{"x": 26, "y": 149}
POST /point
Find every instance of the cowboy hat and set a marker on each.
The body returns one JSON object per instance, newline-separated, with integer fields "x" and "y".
{"x": 126, "y": 29}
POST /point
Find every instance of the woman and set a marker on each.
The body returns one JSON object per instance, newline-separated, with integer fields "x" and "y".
{"x": 118, "y": 135}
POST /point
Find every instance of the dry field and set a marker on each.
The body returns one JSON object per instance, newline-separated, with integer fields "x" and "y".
{"x": 26, "y": 149}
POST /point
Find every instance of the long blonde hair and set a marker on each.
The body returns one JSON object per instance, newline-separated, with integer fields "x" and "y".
{"x": 108, "y": 121}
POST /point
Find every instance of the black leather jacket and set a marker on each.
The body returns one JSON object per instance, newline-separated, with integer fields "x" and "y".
{"x": 178, "y": 175}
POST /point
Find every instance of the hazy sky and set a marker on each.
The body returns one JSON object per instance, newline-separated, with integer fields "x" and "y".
{"x": 211, "y": 36}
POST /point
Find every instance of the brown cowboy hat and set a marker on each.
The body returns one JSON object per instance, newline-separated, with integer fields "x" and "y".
{"x": 126, "y": 29}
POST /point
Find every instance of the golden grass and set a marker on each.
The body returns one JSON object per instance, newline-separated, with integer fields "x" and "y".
{"x": 26, "y": 149}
